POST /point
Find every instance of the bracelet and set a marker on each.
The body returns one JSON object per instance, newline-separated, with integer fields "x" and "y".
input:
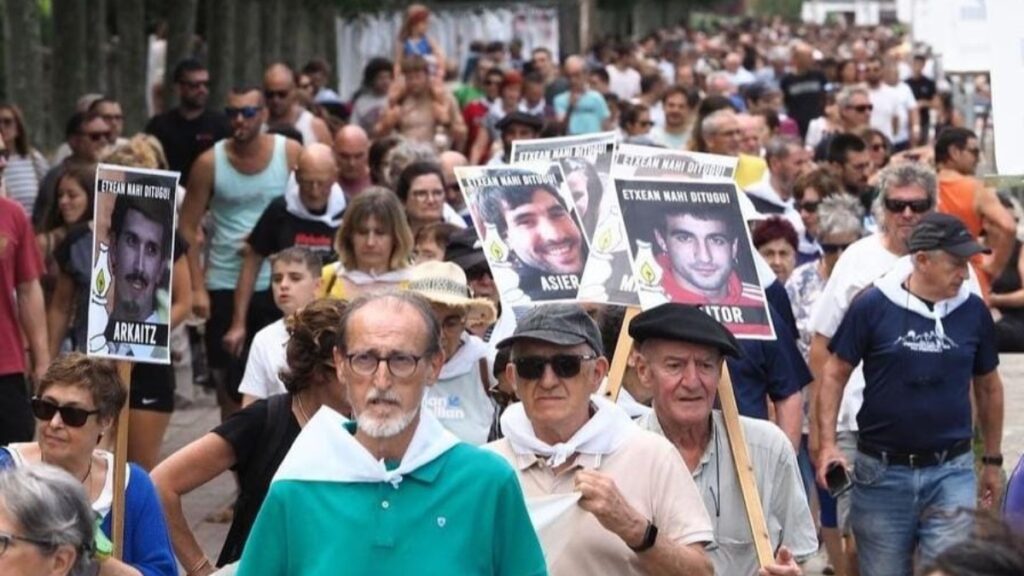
{"x": 204, "y": 563}
{"x": 992, "y": 460}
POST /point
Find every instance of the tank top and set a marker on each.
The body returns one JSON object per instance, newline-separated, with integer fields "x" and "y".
{"x": 304, "y": 125}
{"x": 237, "y": 203}
{"x": 956, "y": 198}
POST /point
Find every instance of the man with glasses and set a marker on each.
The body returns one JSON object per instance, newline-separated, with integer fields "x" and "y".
{"x": 854, "y": 106}
{"x": 681, "y": 353}
{"x": 721, "y": 132}
{"x": 234, "y": 182}
{"x": 906, "y": 193}
{"x": 926, "y": 342}
{"x": 957, "y": 153}
{"x": 190, "y": 129}
{"x": 87, "y": 135}
{"x": 110, "y": 110}
{"x": 352, "y": 154}
{"x": 392, "y": 492}
{"x": 620, "y": 500}
{"x": 284, "y": 110}
{"x": 459, "y": 398}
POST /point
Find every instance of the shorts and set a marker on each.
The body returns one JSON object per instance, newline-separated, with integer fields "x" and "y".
{"x": 16, "y": 423}
{"x": 152, "y": 388}
{"x": 262, "y": 312}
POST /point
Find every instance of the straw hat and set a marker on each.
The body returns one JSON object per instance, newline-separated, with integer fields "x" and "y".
{"x": 445, "y": 283}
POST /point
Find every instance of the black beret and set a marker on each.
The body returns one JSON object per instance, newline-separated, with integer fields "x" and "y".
{"x": 683, "y": 323}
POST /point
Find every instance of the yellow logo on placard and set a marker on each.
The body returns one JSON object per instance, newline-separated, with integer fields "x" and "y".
{"x": 605, "y": 240}
{"x": 648, "y": 274}
{"x": 101, "y": 282}
{"x": 497, "y": 251}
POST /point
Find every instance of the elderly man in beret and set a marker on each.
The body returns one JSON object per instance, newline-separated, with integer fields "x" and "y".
{"x": 681, "y": 352}
{"x": 606, "y": 497}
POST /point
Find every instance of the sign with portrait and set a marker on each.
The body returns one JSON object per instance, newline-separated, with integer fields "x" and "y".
{"x": 689, "y": 243}
{"x": 531, "y": 234}
{"x": 133, "y": 245}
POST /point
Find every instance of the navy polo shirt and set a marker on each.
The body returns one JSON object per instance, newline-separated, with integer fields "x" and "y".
{"x": 916, "y": 396}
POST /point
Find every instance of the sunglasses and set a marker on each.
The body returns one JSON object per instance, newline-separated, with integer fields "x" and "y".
{"x": 563, "y": 365}
{"x": 916, "y": 206}
{"x": 7, "y": 121}
{"x": 272, "y": 94}
{"x": 97, "y": 136}
{"x": 862, "y": 108}
{"x": 71, "y": 416}
{"x": 833, "y": 248}
{"x": 196, "y": 84}
{"x": 809, "y": 207}
{"x": 247, "y": 112}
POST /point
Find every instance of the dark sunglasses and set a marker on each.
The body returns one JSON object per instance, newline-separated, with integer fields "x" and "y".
{"x": 833, "y": 248}
{"x": 916, "y": 206}
{"x": 862, "y": 108}
{"x": 96, "y": 136}
{"x": 71, "y": 416}
{"x": 563, "y": 365}
{"x": 247, "y": 112}
{"x": 809, "y": 207}
{"x": 271, "y": 94}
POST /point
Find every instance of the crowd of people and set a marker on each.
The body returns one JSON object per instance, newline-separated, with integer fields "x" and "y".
{"x": 330, "y": 287}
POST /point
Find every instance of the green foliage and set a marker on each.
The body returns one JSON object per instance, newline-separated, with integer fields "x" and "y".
{"x": 789, "y": 9}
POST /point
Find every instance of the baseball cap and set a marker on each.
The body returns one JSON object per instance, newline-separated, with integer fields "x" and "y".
{"x": 938, "y": 231}
{"x": 561, "y": 324}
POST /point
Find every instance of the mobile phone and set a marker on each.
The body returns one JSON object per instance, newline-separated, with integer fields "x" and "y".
{"x": 837, "y": 479}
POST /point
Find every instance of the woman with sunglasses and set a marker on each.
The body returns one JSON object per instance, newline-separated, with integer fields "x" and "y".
{"x": 75, "y": 406}
{"x": 809, "y": 189}
{"x": 253, "y": 441}
{"x": 46, "y": 525}
{"x": 26, "y": 166}
{"x": 838, "y": 223}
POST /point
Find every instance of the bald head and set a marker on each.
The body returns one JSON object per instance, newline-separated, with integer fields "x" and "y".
{"x": 279, "y": 91}
{"x": 449, "y": 160}
{"x": 316, "y": 175}
{"x": 317, "y": 156}
{"x": 575, "y": 72}
{"x": 351, "y": 150}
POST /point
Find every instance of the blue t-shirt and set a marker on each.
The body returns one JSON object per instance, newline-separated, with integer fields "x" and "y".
{"x": 916, "y": 396}
{"x": 769, "y": 369}
{"x": 587, "y": 116}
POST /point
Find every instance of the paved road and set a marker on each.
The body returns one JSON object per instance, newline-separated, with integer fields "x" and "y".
{"x": 190, "y": 423}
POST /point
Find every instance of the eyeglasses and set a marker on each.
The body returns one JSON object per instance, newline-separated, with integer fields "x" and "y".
{"x": 809, "y": 207}
{"x": 833, "y": 248}
{"x": 196, "y": 84}
{"x": 563, "y": 365}
{"x": 862, "y": 108}
{"x": 399, "y": 365}
{"x": 272, "y": 94}
{"x": 7, "y": 121}
{"x": 74, "y": 417}
{"x": 916, "y": 206}
{"x": 247, "y": 112}
{"x": 96, "y": 136}
{"x": 7, "y": 538}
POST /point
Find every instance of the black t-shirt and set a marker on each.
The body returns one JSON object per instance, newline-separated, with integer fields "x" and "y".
{"x": 245, "y": 432}
{"x": 184, "y": 140}
{"x": 924, "y": 89}
{"x": 804, "y": 95}
{"x": 278, "y": 229}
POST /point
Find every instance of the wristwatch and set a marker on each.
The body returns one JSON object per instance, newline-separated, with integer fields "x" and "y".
{"x": 650, "y": 535}
{"x": 994, "y": 460}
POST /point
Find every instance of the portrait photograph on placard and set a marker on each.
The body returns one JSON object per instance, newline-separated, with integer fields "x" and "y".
{"x": 133, "y": 247}
{"x": 689, "y": 244}
{"x": 531, "y": 235}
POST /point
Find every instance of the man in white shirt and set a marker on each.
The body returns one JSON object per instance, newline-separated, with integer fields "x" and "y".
{"x": 623, "y": 79}
{"x": 294, "y": 281}
{"x": 909, "y": 126}
{"x": 886, "y": 101}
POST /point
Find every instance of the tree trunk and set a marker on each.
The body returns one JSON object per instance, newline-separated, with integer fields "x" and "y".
{"x": 325, "y": 41}
{"x": 96, "y": 36}
{"x": 248, "y": 67}
{"x": 132, "y": 63}
{"x": 181, "y": 26}
{"x": 69, "y": 54}
{"x": 271, "y": 15}
{"x": 23, "y": 64}
{"x": 295, "y": 34}
{"x": 220, "y": 26}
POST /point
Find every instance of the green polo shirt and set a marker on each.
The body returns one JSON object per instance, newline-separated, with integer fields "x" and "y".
{"x": 462, "y": 513}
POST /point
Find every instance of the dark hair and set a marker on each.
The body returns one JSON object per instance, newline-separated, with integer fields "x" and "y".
{"x": 841, "y": 145}
{"x": 411, "y": 173}
{"x": 414, "y": 63}
{"x": 317, "y": 66}
{"x": 21, "y": 144}
{"x": 187, "y": 66}
{"x": 993, "y": 550}
{"x": 440, "y": 232}
{"x": 289, "y": 131}
{"x": 705, "y": 212}
{"x": 98, "y": 377}
{"x": 298, "y": 255}
{"x": 374, "y": 67}
{"x": 409, "y": 298}
{"x": 691, "y": 95}
{"x": 950, "y": 137}
{"x": 630, "y": 113}
{"x": 83, "y": 174}
{"x": 501, "y": 360}
{"x": 77, "y": 121}
{"x": 377, "y": 154}
{"x": 533, "y": 77}
{"x": 160, "y": 211}
{"x": 819, "y": 179}
{"x": 775, "y": 228}
{"x": 649, "y": 81}
{"x": 495, "y": 46}
{"x": 494, "y": 201}
{"x": 707, "y": 107}
{"x": 600, "y": 73}
{"x": 312, "y": 334}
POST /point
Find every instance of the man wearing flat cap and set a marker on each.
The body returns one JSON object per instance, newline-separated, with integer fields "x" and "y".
{"x": 681, "y": 352}
{"x": 515, "y": 126}
{"x": 922, "y": 337}
{"x": 606, "y": 497}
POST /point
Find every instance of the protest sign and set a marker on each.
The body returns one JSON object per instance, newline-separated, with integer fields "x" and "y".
{"x": 133, "y": 244}
{"x": 531, "y": 235}
{"x": 689, "y": 243}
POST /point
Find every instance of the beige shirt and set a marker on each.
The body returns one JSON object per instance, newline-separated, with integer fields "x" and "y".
{"x": 650, "y": 475}
{"x": 778, "y": 483}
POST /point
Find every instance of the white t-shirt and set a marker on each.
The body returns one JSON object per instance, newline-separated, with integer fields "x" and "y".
{"x": 623, "y": 83}
{"x": 907, "y": 105}
{"x": 458, "y": 399}
{"x": 266, "y": 360}
{"x": 887, "y": 102}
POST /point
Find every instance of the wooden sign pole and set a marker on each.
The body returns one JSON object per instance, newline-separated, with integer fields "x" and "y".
{"x": 744, "y": 470}
{"x": 124, "y": 371}
{"x": 622, "y": 351}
